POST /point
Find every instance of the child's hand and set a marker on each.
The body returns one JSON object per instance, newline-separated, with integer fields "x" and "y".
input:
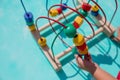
{"x": 94, "y": 69}
{"x": 86, "y": 65}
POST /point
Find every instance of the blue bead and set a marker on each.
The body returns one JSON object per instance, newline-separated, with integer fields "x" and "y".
{"x": 94, "y": 13}
{"x": 28, "y": 17}
{"x": 64, "y": 8}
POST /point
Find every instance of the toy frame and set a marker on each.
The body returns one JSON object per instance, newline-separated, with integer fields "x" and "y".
{"x": 47, "y": 51}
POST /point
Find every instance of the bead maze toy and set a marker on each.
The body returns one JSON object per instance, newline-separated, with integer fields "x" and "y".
{"x": 83, "y": 9}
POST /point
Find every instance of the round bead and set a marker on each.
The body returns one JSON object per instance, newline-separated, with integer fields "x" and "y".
{"x": 79, "y": 40}
{"x": 94, "y": 13}
{"x": 70, "y": 31}
{"x": 29, "y": 23}
{"x": 32, "y": 27}
{"x": 83, "y": 52}
{"x": 95, "y": 8}
{"x": 53, "y": 12}
{"x": 62, "y": 7}
{"x": 59, "y": 10}
{"x": 74, "y": 50}
{"x": 78, "y": 21}
{"x": 84, "y": 13}
{"x": 76, "y": 25}
{"x": 29, "y": 18}
{"x": 86, "y": 7}
{"x": 42, "y": 41}
{"x": 82, "y": 47}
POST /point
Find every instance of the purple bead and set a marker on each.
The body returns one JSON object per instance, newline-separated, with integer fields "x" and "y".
{"x": 64, "y": 8}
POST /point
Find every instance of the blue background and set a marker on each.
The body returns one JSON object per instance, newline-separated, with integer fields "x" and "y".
{"x": 22, "y": 59}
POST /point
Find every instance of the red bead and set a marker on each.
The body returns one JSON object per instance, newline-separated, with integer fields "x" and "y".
{"x": 82, "y": 48}
{"x": 86, "y": 7}
{"x": 59, "y": 10}
{"x": 76, "y": 25}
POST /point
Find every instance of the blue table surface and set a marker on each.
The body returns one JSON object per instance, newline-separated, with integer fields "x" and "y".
{"x": 22, "y": 59}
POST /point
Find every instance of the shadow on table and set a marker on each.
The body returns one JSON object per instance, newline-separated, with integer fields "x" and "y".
{"x": 103, "y": 58}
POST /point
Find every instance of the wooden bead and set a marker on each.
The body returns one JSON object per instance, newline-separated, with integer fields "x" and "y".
{"x": 83, "y": 52}
{"x": 78, "y": 20}
{"x": 59, "y": 10}
{"x": 86, "y": 7}
{"x": 95, "y": 8}
{"x": 53, "y": 12}
{"x": 78, "y": 40}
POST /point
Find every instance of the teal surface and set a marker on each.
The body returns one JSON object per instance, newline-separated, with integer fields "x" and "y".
{"x": 22, "y": 59}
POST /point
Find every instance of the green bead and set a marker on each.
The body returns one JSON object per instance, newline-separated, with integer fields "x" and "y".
{"x": 84, "y": 13}
{"x": 70, "y": 31}
{"x": 74, "y": 50}
{"x": 30, "y": 23}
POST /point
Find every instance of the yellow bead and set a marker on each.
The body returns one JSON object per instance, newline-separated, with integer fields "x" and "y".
{"x": 85, "y": 51}
{"x": 78, "y": 20}
{"x": 53, "y": 12}
{"x": 32, "y": 27}
{"x": 42, "y": 42}
{"x": 95, "y": 8}
{"x": 79, "y": 40}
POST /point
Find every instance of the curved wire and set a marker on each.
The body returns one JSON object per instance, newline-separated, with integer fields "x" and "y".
{"x": 48, "y": 19}
{"x": 62, "y": 11}
{"x": 88, "y": 1}
{"x": 46, "y": 5}
{"x": 23, "y": 6}
{"x": 77, "y": 13}
{"x": 62, "y": 1}
{"x": 56, "y": 33}
{"x": 54, "y": 29}
{"x": 113, "y": 14}
{"x": 54, "y": 42}
{"x": 66, "y": 1}
{"x": 74, "y": 4}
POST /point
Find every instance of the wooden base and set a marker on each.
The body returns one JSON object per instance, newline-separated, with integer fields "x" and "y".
{"x": 99, "y": 20}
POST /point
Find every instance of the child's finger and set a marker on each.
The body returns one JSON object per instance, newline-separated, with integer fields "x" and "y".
{"x": 79, "y": 61}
